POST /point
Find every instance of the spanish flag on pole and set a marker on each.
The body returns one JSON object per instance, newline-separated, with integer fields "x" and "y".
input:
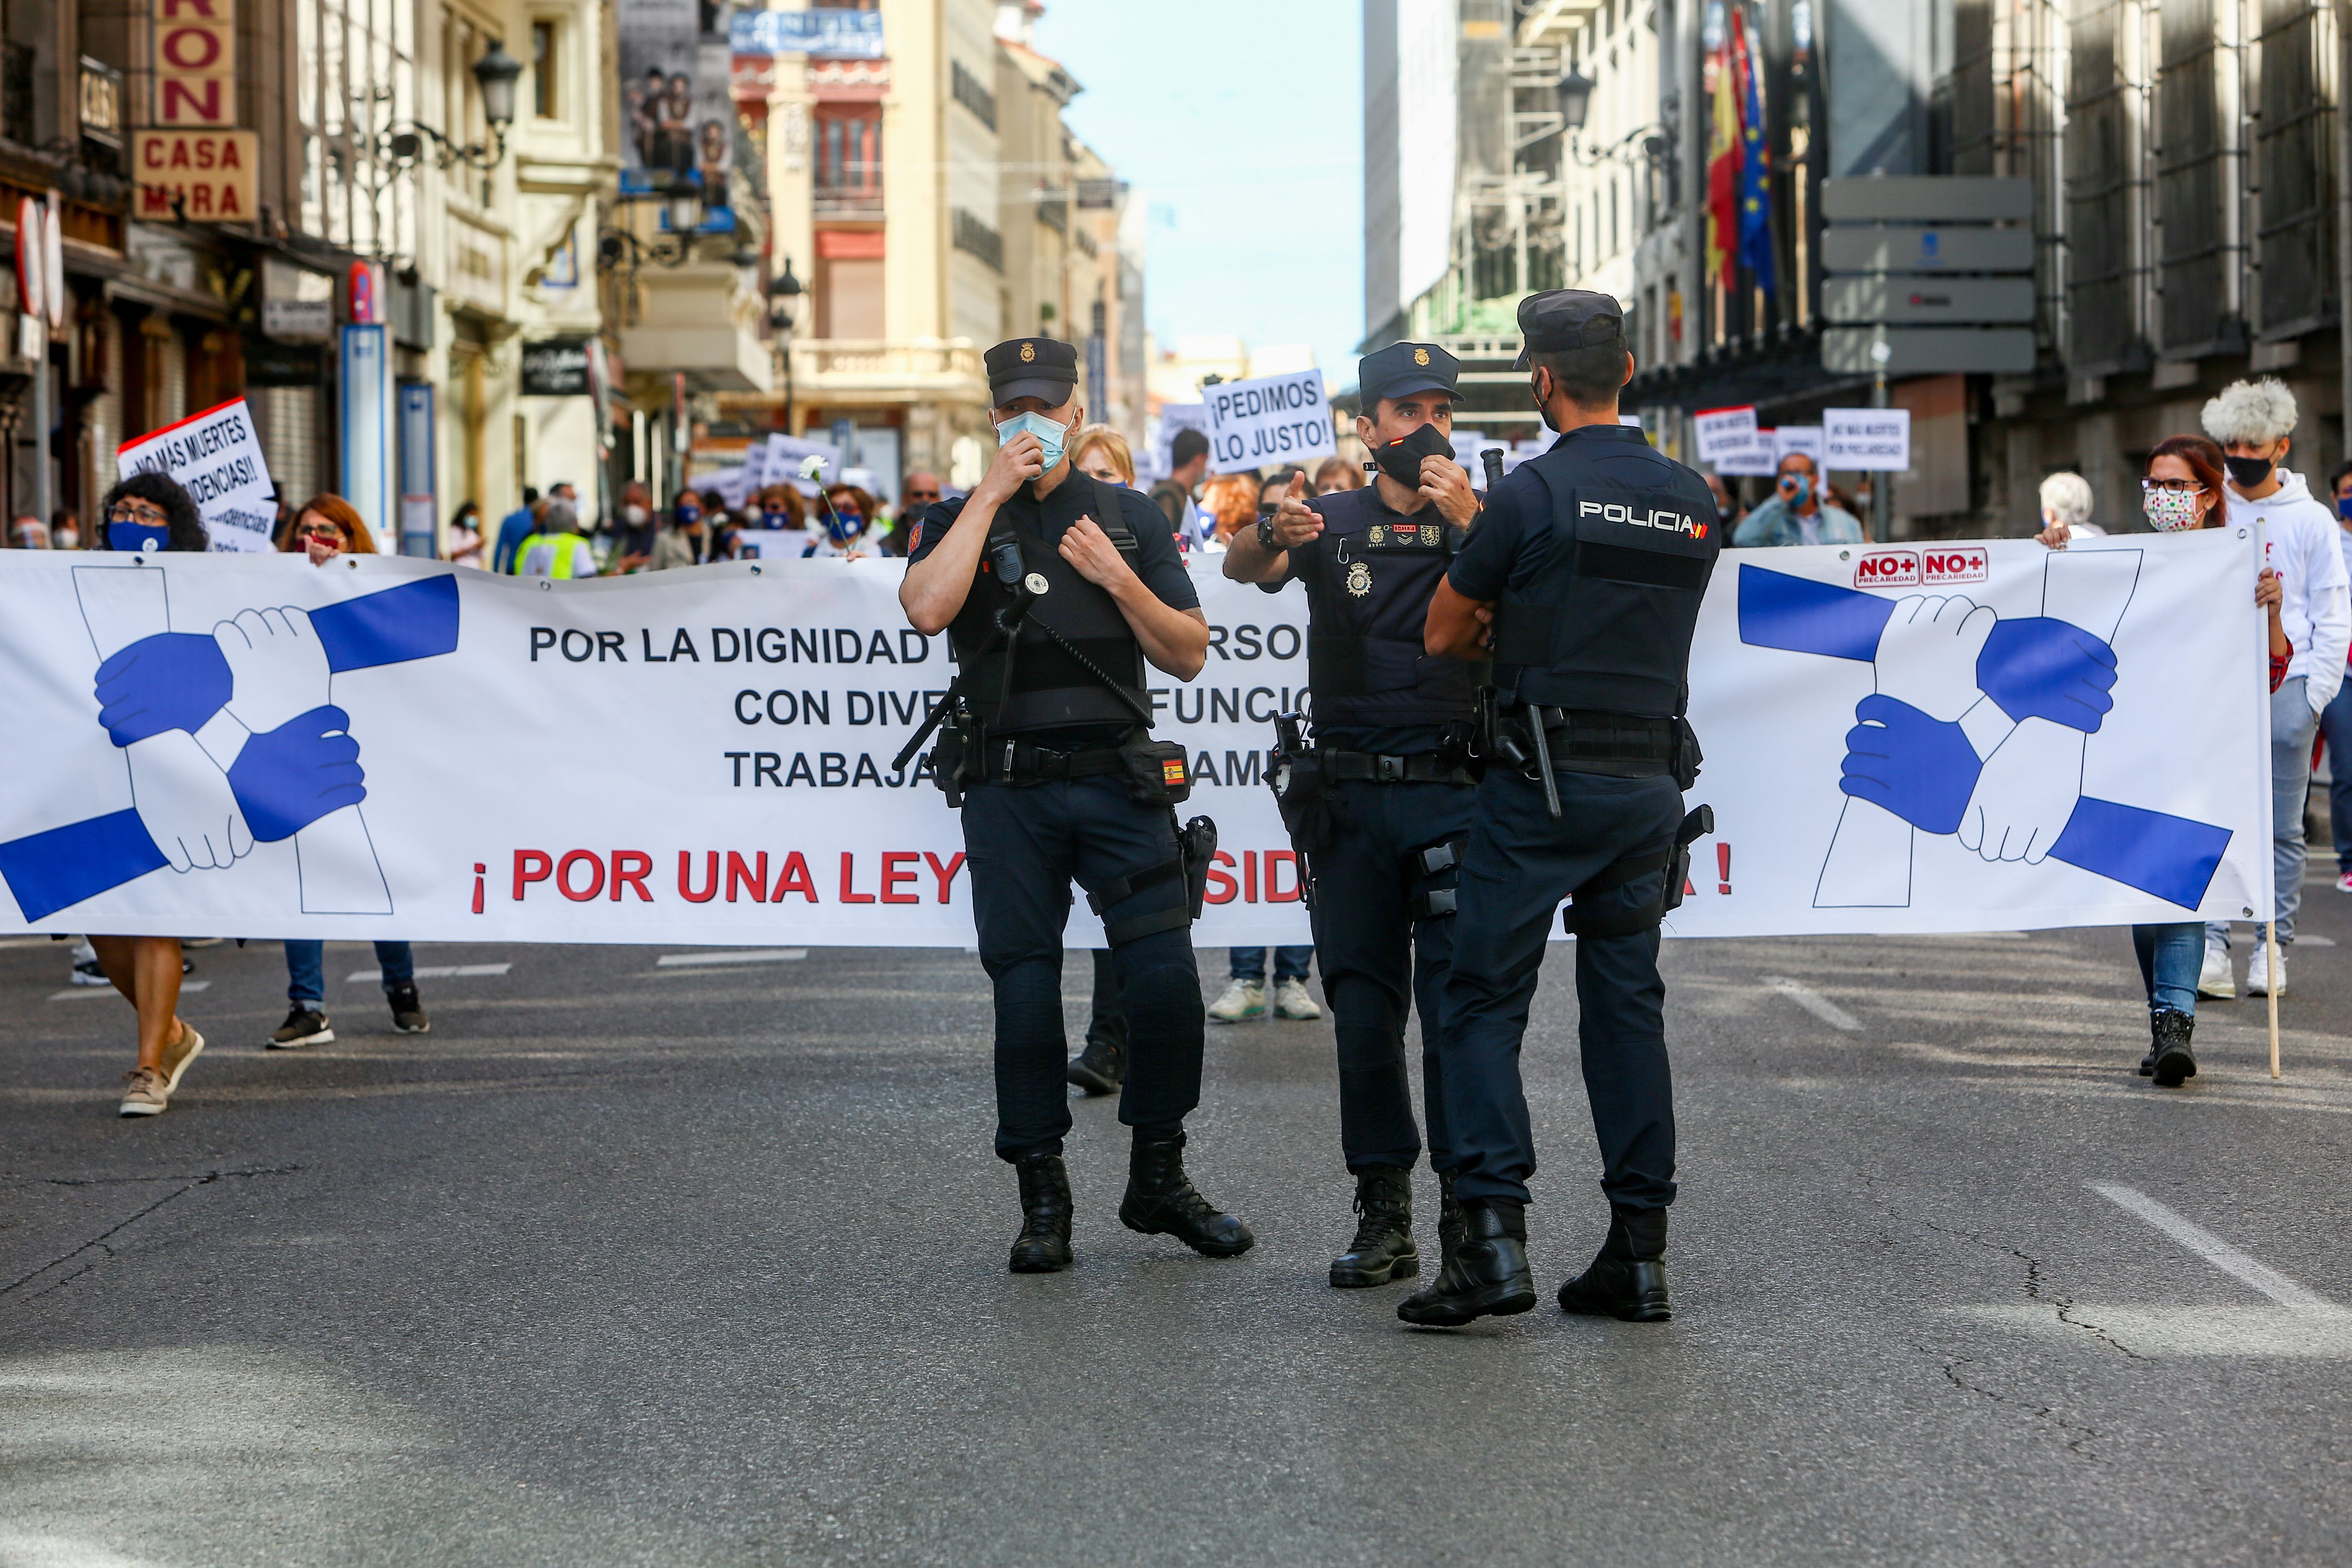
{"x": 1720, "y": 80}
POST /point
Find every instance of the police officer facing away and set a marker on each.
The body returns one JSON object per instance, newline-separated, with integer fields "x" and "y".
{"x": 1583, "y": 582}
{"x": 1055, "y": 590}
{"x": 1381, "y": 806}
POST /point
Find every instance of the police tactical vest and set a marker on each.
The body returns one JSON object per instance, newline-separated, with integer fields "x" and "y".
{"x": 1368, "y": 606}
{"x": 1032, "y": 682}
{"x": 1606, "y": 625}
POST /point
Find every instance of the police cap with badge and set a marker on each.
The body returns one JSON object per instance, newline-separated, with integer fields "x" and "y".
{"x": 1031, "y": 367}
{"x": 1559, "y": 319}
{"x": 1400, "y": 369}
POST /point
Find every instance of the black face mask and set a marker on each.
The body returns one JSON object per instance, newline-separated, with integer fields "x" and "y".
{"x": 1400, "y": 458}
{"x": 2247, "y": 472}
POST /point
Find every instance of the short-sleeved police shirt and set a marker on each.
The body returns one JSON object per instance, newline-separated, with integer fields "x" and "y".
{"x": 1513, "y": 539}
{"x": 1156, "y": 558}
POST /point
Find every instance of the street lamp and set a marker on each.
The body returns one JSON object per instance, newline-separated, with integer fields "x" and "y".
{"x": 496, "y": 73}
{"x": 403, "y": 142}
{"x": 1575, "y": 90}
{"x": 685, "y": 209}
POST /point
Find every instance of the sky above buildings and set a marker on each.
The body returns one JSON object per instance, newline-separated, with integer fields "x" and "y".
{"x": 1240, "y": 124}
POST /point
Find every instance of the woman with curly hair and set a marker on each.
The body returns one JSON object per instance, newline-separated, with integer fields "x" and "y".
{"x": 146, "y": 514}
{"x": 1231, "y": 501}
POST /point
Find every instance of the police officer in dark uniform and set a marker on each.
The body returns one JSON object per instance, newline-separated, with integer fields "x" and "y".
{"x": 1055, "y": 591}
{"x": 1582, "y": 582}
{"x": 1379, "y": 807}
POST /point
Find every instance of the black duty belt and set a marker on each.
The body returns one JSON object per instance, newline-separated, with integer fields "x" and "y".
{"x": 1582, "y": 736}
{"x": 1011, "y": 760}
{"x": 1424, "y": 767}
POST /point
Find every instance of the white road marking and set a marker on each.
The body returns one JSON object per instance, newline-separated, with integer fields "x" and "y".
{"x": 435, "y": 972}
{"x": 2213, "y": 1249}
{"x": 2303, "y": 938}
{"x": 1814, "y": 1002}
{"x": 740, "y": 955}
{"x": 27, "y": 942}
{"x": 2281, "y": 1334}
{"x": 76, "y": 992}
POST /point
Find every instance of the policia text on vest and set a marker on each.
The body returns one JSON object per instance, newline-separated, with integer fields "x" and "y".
{"x": 1056, "y": 591}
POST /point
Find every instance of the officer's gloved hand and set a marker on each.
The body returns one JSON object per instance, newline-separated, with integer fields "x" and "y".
{"x": 1928, "y": 654}
{"x": 1920, "y": 768}
{"x": 2036, "y": 666}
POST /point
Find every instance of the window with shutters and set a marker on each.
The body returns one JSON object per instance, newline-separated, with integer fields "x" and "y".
{"x": 2294, "y": 162}
{"x": 2191, "y": 190}
{"x": 2100, "y": 157}
{"x": 1973, "y": 131}
{"x": 848, "y": 139}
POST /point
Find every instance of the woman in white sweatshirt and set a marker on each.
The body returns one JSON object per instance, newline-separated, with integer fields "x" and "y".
{"x": 2253, "y": 421}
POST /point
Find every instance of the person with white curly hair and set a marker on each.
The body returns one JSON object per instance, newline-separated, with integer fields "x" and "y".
{"x": 2254, "y": 422}
{"x": 2066, "y": 511}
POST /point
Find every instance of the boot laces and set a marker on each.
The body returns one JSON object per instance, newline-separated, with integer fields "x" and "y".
{"x": 1381, "y": 1218}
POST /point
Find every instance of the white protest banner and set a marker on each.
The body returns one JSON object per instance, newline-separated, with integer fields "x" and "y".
{"x": 216, "y": 457}
{"x": 1876, "y": 439}
{"x": 1724, "y": 433}
{"x": 1269, "y": 419}
{"x": 1805, "y": 438}
{"x": 1756, "y": 458}
{"x": 755, "y": 467}
{"x": 725, "y": 734}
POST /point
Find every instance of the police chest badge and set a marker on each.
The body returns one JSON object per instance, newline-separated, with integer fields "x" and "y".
{"x": 1359, "y": 579}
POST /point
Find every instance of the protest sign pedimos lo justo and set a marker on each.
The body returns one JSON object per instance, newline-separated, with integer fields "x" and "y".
{"x": 1272, "y": 419}
{"x": 216, "y": 457}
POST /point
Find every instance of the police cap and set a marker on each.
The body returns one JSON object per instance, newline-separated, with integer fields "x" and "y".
{"x": 1568, "y": 319}
{"x": 1032, "y": 367}
{"x": 1400, "y": 369}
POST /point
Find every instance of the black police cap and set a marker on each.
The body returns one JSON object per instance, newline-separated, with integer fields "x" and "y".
{"x": 1031, "y": 367}
{"x": 1568, "y": 319}
{"x": 1400, "y": 369}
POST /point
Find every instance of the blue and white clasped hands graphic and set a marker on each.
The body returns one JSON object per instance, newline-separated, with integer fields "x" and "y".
{"x": 231, "y": 737}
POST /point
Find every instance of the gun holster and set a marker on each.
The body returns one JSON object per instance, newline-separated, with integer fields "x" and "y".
{"x": 1593, "y": 913}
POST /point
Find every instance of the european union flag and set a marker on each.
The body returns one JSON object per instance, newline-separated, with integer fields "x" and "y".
{"x": 1755, "y": 171}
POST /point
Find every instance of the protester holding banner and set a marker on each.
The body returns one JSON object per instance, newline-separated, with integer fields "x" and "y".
{"x": 1056, "y": 590}
{"x": 2066, "y": 511}
{"x": 326, "y": 527}
{"x": 148, "y": 512}
{"x": 1378, "y": 809}
{"x": 1798, "y": 511}
{"x": 1591, "y": 669}
{"x": 2183, "y": 488}
{"x": 2253, "y": 422}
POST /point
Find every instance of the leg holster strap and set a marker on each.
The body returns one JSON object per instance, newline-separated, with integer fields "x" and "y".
{"x": 1435, "y": 860}
{"x": 1673, "y": 857}
{"x": 1119, "y": 890}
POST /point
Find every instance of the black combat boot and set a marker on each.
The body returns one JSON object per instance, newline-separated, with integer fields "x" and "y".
{"x": 1100, "y": 1069}
{"x": 2170, "y": 1060}
{"x": 1628, "y": 1278}
{"x": 1384, "y": 1248}
{"x": 1044, "y": 1244}
{"x": 1160, "y": 1200}
{"x": 1486, "y": 1274}
{"x": 1453, "y": 1225}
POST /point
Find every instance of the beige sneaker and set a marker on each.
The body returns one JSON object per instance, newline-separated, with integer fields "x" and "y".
{"x": 1291, "y": 1000}
{"x": 147, "y": 1091}
{"x": 1243, "y": 1000}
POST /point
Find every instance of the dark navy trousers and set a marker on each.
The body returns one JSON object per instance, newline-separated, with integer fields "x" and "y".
{"x": 1379, "y": 960}
{"x": 1520, "y": 866}
{"x": 1026, "y": 842}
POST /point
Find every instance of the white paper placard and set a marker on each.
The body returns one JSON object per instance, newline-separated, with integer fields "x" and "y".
{"x": 1724, "y": 432}
{"x": 216, "y": 457}
{"x": 1270, "y": 419}
{"x": 1874, "y": 440}
{"x": 1805, "y": 438}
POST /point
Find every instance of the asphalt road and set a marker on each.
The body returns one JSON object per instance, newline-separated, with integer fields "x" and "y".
{"x": 628, "y": 1263}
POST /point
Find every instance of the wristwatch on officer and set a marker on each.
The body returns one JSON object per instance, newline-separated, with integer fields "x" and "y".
{"x": 1266, "y": 531}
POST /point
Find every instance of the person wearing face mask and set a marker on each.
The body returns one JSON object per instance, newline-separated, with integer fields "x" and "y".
{"x": 1056, "y": 591}
{"x": 845, "y": 524}
{"x": 65, "y": 532}
{"x": 2183, "y": 488}
{"x": 686, "y": 541}
{"x": 634, "y": 545}
{"x": 1379, "y": 807}
{"x": 2253, "y": 421}
{"x": 465, "y": 537}
{"x": 1582, "y": 584}
{"x": 1798, "y": 511}
{"x": 2336, "y": 722}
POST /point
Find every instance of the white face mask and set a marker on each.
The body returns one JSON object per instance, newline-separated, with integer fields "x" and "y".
{"x": 636, "y": 514}
{"x": 68, "y": 539}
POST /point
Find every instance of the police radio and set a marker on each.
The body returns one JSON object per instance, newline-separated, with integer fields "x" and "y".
{"x": 1493, "y": 459}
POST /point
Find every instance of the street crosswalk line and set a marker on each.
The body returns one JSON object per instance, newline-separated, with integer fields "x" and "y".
{"x": 1814, "y": 1002}
{"x": 731, "y": 955}
{"x": 435, "y": 972}
{"x": 75, "y": 994}
{"x": 2212, "y": 1248}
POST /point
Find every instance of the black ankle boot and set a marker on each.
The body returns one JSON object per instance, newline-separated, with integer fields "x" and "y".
{"x": 1384, "y": 1248}
{"x": 1453, "y": 1225}
{"x": 1099, "y": 1068}
{"x": 2170, "y": 1060}
{"x": 1160, "y": 1200}
{"x": 1044, "y": 1244}
{"x": 1628, "y": 1278}
{"x": 1486, "y": 1274}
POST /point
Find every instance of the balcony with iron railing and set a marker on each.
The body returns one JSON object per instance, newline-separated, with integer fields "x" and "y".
{"x": 888, "y": 371}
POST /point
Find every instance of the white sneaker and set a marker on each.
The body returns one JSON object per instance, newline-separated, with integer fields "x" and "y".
{"x": 1291, "y": 1000}
{"x": 2343, "y": 883}
{"x": 1243, "y": 999}
{"x": 86, "y": 970}
{"x": 2213, "y": 981}
{"x": 2258, "y": 972}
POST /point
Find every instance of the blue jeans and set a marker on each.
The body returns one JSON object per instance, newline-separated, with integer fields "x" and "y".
{"x": 1289, "y": 962}
{"x": 306, "y": 970}
{"x": 2335, "y": 723}
{"x": 2169, "y": 957}
{"x": 2292, "y": 725}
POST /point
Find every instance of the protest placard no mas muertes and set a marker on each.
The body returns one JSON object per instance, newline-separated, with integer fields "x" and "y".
{"x": 216, "y": 457}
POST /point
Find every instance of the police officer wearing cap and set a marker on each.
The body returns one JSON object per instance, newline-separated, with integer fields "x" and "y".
{"x": 1056, "y": 590}
{"x": 1582, "y": 582}
{"x": 1378, "y": 809}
